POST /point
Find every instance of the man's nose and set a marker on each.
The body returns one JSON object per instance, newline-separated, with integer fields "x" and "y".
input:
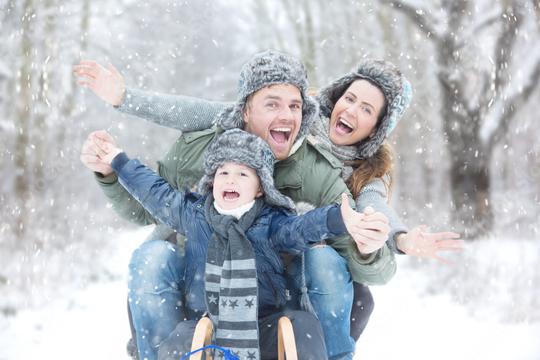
{"x": 286, "y": 113}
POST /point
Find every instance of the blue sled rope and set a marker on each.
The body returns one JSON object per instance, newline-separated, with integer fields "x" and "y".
{"x": 228, "y": 354}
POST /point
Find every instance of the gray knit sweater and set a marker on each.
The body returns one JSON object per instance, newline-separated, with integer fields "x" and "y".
{"x": 189, "y": 114}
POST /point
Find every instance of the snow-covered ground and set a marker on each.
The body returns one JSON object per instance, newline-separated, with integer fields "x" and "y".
{"x": 408, "y": 322}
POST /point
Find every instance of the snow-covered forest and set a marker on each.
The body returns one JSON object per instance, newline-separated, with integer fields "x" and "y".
{"x": 467, "y": 157}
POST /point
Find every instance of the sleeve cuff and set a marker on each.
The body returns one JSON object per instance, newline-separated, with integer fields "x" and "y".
{"x": 106, "y": 180}
{"x": 119, "y": 161}
{"x": 334, "y": 221}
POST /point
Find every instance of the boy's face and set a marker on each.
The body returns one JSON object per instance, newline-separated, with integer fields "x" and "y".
{"x": 235, "y": 185}
{"x": 274, "y": 113}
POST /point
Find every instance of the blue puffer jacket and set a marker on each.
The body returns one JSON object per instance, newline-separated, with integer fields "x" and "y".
{"x": 273, "y": 232}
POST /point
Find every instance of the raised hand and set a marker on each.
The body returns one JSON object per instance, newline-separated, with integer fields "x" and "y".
{"x": 421, "y": 243}
{"x": 106, "y": 146}
{"x": 92, "y": 156}
{"x": 107, "y": 83}
{"x": 369, "y": 230}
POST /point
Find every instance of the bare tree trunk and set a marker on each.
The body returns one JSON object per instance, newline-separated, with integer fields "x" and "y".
{"x": 40, "y": 136}
{"x": 70, "y": 96}
{"x": 463, "y": 118}
{"x": 22, "y": 180}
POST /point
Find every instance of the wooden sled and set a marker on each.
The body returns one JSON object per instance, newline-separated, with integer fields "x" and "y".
{"x": 286, "y": 342}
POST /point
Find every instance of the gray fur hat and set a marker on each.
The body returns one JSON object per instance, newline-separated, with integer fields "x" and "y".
{"x": 395, "y": 87}
{"x": 264, "y": 69}
{"x": 247, "y": 149}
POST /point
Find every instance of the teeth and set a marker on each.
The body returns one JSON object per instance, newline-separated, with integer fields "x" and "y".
{"x": 282, "y": 129}
{"x": 346, "y": 123}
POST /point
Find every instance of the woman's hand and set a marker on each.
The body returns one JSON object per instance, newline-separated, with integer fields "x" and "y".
{"x": 421, "y": 243}
{"x": 106, "y": 83}
{"x": 369, "y": 229}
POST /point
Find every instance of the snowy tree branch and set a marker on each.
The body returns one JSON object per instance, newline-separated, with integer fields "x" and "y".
{"x": 516, "y": 102}
{"x": 418, "y": 16}
{"x": 503, "y": 55}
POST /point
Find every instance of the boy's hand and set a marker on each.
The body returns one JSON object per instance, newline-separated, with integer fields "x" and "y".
{"x": 369, "y": 229}
{"x": 106, "y": 83}
{"x": 421, "y": 243}
{"x": 92, "y": 156}
{"x": 106, "y": 146}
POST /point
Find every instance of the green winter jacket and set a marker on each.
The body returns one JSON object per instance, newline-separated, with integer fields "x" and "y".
{"x": 311, "y": 175}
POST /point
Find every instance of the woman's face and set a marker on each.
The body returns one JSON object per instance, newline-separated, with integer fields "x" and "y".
{"x": 355, "y": 114}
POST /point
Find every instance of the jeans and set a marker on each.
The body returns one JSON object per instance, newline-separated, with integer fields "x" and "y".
{"x": 156, "y": 273}
{"x": 330, "y": 290}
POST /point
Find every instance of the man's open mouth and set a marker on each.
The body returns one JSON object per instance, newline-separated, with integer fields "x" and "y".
{"x": 344, "y": 127}
{"x": 280, "y": 135}
{"x": 230, "y": 195}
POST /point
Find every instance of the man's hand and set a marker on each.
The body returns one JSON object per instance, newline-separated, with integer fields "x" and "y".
{"x": 106, "y": 83}
{"x": 369, "y": 230}
{"x": 418, "y": 242}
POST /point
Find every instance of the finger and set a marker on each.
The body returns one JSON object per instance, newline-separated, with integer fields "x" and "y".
{"x": 102, "y": 135}
{"x": 96, "y": 149}
{"x": 376, "y": 216}
{"x": 450, "y": 244}
{"x": 444, "y": 235}
{"x": 89, "y": 63}
{"x": 86, "y": 84}
{"x": 86, "y": 72}
{"x": 376, "y": 225}
{"x": 371, "y": 236}
{"x": 112, "y": 69}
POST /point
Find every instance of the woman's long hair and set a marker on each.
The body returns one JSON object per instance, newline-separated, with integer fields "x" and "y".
{"x": 380, "y": 165}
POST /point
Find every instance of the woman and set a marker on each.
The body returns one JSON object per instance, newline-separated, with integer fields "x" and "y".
{"x": 358, "y": 111}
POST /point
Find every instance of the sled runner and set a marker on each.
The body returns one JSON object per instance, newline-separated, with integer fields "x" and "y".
{"x": 286, "y": 342}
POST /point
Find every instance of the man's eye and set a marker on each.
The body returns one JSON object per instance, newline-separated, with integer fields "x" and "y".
{"x": 296, "y": 107}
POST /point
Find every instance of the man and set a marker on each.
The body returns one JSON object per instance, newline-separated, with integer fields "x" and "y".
{"x": 272, "y": 103}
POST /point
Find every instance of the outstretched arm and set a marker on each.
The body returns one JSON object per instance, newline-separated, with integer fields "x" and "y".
{"x": 158, "y": 197}
{"x": 179, "y": 112}
{"x": 416, "y": 242}
{"x": 123, "y": 203}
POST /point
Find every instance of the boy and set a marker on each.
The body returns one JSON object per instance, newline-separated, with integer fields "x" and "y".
{"x": 239, "y": 223}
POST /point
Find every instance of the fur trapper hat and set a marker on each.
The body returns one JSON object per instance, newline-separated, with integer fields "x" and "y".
{"x": 247, "y": 149}
{"x": 264, "y": 69}
{"x": 396, "y": 89}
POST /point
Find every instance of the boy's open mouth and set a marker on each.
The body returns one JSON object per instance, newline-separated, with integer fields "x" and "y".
{"x": 280, "y": 135}
{"x": 344, "y": 127}
{"x": 230, "y": 195}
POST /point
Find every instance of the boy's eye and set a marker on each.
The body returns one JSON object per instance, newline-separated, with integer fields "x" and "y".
{"x": 243, "y": 174}
{"x": 222, "y": 173}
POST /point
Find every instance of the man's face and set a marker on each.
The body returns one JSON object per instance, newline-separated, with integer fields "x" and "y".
{"x": 274, "y": 113}
{"x": 235, "y": 185}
